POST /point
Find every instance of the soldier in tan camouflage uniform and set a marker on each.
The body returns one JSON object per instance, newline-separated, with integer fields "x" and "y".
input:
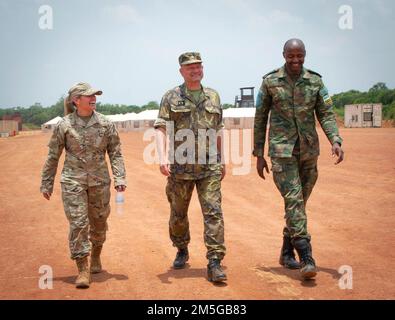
{"x": 86, "y": 135}
{"x": 293, "y": 96}
{"x": 194, "y": 110}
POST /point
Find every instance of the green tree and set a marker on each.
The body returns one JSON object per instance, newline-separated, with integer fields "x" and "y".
{"x": 379, "y": 86}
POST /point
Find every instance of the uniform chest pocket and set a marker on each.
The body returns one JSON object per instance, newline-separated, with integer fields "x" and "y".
{"x": 181, "y": 115}
{"x": 100, "y": 138}
{"x": 279, "y": 94}
{"x": 308, "y": 97}
{"x": 74, "y": 141}
{"x": 211, "y": 115}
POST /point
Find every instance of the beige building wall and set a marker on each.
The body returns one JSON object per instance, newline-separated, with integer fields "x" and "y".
{"x": 363, "y": 115}
{"x": 9, "y": 127}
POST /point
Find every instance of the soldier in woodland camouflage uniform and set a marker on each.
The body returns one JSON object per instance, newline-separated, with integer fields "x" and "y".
{"x": 294, "y": 96}
{"x": 86, "y": 136}
{"x": 196, "y": 110}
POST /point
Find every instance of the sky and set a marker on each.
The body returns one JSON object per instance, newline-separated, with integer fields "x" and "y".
{"x": 130, "y": 49}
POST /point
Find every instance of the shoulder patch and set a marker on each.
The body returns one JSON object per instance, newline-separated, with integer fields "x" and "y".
{"x": 313, "y": 72}
{"x": 269, "y": 73}
{"x": 325, "y": 96}
{"x": 259, "y": 99}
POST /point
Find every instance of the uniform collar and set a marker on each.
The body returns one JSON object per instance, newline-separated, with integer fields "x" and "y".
{"x": 282, "y": 73}
{"x": 184, "y": 93}
{"x": 77, "y": 120}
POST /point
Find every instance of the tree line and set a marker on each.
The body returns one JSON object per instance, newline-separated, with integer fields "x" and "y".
{"x": 36, "y": 114}
{"x": 379, "y": 93}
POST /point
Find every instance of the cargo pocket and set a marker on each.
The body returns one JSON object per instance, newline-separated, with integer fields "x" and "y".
{"x": 181, "y": 115}
{"x": 279, "y": 176}
{"x": 212, "y": 116}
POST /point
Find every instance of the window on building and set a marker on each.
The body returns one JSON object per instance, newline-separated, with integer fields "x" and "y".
{"x": 236, "y": 121}
{"x": 136, "y": 124}
{"x": 368, "y": 116}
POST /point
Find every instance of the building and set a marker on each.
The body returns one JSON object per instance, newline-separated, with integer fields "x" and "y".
{"x": 239, "y": 118}
{"x": 8, "y": 128}
{"x": 15, "y": 117}
{"x": 145, "y": 119}
{"x": 234, "y": 118}
{"x": 50, "y": 125}
{"x": 363, "y": 115}
{"x": 246, "y": 98}
{"x": 123, "y": 122}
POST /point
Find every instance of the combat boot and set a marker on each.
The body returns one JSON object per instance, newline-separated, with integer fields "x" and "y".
{"x": 287, "y": 255}
{"x": 95, "y": 259}
{"x": 307, "y": 264}
{"x": 215, "y": 272}
{"x": 181, "y": 258}
{"x": 83, "y": 278}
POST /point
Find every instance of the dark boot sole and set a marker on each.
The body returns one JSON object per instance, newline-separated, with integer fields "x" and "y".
{"x": 309, "y": 274}
{"x": 217, "y": 280}
{"x": 288, "y": 266}
{"x": 181, "y": 266}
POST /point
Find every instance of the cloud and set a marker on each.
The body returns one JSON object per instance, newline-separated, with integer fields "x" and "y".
{"x": 122, "y": 13}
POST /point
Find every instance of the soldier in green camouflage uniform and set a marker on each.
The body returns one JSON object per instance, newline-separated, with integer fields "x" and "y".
{"x": 196, "y": 110}
{"x": 293, "y": 96}
{"x": 86, "y": 136}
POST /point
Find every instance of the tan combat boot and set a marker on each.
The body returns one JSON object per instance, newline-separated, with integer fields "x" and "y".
{"x": 95, "y": 259}
{"x": 83, "y": 278}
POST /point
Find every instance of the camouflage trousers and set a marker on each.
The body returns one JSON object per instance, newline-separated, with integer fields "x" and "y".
{"x": 87, "y": 210}
{"x": 179, "y": 193}
{"x": 295, "y": 179}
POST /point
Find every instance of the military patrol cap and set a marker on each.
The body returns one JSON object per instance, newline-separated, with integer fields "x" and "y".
{"x": 83, "y": 89}
{"x": 189, "y": 58}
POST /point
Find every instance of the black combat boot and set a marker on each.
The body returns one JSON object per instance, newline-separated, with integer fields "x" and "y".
{"x": 307, "y": 263}
{"x": 287, "y": 256}
{"x": 215, "y": 272}
{"x": 181, "y": 258}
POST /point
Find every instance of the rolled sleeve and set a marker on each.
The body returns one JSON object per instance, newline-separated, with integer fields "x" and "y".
{"x": 164, "y": 114}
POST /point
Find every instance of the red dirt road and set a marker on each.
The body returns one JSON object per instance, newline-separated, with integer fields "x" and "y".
{"x": 351, "y": 220}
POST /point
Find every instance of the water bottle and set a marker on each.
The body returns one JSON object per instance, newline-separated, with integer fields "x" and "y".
{"x": 119, "y": 201}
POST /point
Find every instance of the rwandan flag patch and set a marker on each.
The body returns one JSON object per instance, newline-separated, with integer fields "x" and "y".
{"x": 325, "y": 96}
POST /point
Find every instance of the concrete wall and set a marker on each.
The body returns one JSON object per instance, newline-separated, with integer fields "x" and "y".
{"x": 362, "y": 115}
{"x": 9, "y": 126}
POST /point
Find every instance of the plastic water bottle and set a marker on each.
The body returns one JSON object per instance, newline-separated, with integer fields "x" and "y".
{"x": 119, "y": 201}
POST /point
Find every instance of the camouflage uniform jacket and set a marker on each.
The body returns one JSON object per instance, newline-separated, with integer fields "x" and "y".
{"x": 178, "y": 107}
{"x": 292, "y": 108}
{"x": 86, "y": 145}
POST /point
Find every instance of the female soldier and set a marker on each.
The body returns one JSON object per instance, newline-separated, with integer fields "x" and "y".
{"x": 86, "y": 135}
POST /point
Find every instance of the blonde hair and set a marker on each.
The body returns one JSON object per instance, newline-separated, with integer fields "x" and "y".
{"x": 68, "y": 105}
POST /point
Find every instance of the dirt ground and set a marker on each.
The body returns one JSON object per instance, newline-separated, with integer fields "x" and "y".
{"x": 351, "y": 220}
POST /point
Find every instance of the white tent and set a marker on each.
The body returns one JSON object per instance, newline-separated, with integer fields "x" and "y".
{"x": 50, "y": 125}
{"x": 145, "y": 119}
{"x": 239, "y": 118}
{"x": 234, "y": 118}
{"x": 123, "y": 122}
